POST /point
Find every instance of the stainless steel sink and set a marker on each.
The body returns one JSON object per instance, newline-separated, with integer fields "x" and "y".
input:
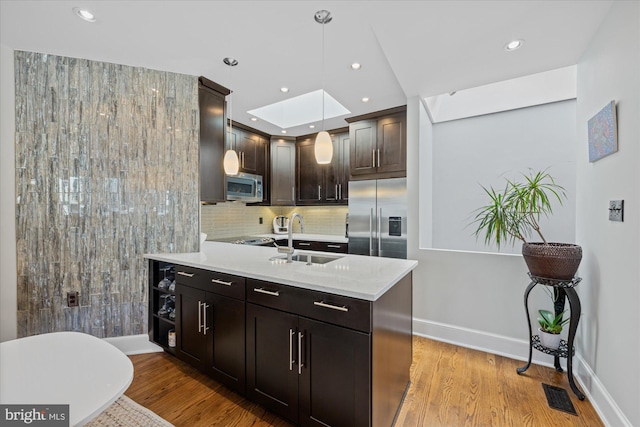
{"x": 309, "y": 258}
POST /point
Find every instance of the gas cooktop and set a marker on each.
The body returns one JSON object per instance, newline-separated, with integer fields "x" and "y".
{"x": 248, "y": 240}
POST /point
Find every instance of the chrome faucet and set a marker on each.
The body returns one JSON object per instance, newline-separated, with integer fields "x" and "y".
{"x": 289, "y": 248}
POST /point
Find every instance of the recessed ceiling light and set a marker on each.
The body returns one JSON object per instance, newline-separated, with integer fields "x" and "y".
{"x": 312, "y": 126}
{"x": 253, "y": 119}
{"x": 365, "y": 99}
{"x": 513, "y": 45}
{"x": 284, "y": 89}
{"x": 356, "y": 66}
{"x": 283, "y": 131}
{"x": 84, "y": 14}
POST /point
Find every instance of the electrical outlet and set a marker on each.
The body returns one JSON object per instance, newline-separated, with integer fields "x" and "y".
{"x": 260, "y": 220}
{"x": 616, "y": 210}
{"x": 72, "y": 299}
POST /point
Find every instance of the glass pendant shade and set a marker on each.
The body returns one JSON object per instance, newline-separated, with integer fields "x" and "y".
{"x": 231, "y": 162}
{"x": 323, "y": 148}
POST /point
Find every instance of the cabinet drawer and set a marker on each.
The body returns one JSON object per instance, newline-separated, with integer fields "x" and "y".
{"x": 343, "y": 311}
{"x": 338, "y": 310}
{"x": 211, "y": 281}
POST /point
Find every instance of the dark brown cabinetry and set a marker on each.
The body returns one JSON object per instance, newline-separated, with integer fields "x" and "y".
{"x": 211, "y": 99}
{"x": 313, "y": 372}
{"x": 210, "y": 316}
{"x": 378, "y": 145}
{"x": 252, "y": 148}
{"x": 314, "y": 245}
{"x": 283, "y": 171}
{"x": 313, "y": 357}
{"x": 322, "y": 184}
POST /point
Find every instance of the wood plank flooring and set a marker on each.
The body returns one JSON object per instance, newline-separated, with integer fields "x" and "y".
{"x": 451, "y": 386}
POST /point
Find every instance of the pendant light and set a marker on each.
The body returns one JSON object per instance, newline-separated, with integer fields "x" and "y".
{"x": 323, "y": 148}
{"x": 231, "y": 162}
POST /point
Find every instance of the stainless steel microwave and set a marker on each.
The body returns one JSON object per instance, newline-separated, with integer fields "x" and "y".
{"x": 245, "y": 187}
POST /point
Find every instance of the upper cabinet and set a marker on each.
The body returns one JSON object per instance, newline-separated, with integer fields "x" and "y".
{"x": 283, "y": 171}
{"x": 378, "y": 145}
{"x": 211, "y": 97}
{"x": 322, "y": 184}
{"x": 252, "y": 148}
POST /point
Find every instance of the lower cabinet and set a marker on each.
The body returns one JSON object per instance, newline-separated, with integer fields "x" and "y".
{"x": 210, "y": 327}
{"x": 311, "y": 372}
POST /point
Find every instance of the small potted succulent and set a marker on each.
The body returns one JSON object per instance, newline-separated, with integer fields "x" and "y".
{"x": 514, "y": 214}
{"x": 550, "y": 328}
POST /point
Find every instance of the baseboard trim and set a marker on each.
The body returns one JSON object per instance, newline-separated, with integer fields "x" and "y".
{"x": 603, "y": 403}
{"x": 134, "y": 344}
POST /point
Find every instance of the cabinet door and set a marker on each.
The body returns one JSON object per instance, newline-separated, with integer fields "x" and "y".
{"x": 272, "y": 375}
{"x": 249, "y": 151}
{"x": 283, "y": 173}
{"x": 335, "y": 381}
{"x": 331, "y": 173}
{"x": 345, "y": 168}
{"x": 392, "y": 143}
{"x": 226, "y": 341}
{"x": 308, "y": 175}
{"x": 212, "y": 145}
{"x": 190, "y": 340}
{"x": 362, "y": 143}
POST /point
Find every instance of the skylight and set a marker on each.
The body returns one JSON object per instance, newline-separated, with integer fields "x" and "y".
{"x": 300, "y": 110}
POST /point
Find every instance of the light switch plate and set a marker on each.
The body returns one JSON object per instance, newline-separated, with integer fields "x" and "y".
{"x": 616, "y": 210}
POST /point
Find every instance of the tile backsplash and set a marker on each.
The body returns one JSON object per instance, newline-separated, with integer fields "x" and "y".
{"x": 233, "y": 219}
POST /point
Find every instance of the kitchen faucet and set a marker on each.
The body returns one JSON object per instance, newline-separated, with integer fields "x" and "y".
{"x": 289, "y": 248}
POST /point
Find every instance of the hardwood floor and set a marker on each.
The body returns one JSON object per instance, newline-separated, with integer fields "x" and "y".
{"x": 450, "y": 386}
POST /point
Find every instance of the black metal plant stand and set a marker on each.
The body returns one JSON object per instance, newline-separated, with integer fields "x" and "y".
{"x": 561, "y": 289}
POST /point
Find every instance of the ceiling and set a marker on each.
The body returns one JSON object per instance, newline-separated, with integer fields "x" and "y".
{"x": 406, "y": 48}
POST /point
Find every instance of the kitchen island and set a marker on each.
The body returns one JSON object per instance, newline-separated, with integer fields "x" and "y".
{"x": 326, "y": 342}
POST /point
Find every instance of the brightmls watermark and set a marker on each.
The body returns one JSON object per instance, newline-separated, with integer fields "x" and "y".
{"x": 34, "y": 415}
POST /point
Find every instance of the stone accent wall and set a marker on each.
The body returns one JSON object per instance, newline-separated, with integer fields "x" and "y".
{"x": 106, "y": 170}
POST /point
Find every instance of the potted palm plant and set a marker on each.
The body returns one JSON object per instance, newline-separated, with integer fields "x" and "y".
{"x": 550, "y": 328}
{"x": 514, "y": 214}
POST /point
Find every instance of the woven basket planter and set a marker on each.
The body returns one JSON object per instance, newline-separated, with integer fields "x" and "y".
{"x": 557, "y": 261}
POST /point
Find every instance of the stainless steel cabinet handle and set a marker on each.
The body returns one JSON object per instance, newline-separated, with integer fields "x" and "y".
{"x": 319, "y": 188}
{"x": 205, "y": 328}
{"x": 199, "y": 316}
{"x": 380, "y": 232}
{"x": 373, "y": 158}
{"x": 337, "y": 194}
{"x": 264, "y": 291}
{"x": 291, "y": 360}
{"x": 221, "y": 282}
{"x": 378, "y": 157}
{"x": 334, "y": 246}
{"x": 304, "y": 244}
{"x": 371, "y": 232}
{"x": 293, "y": 193}
{"x": 340, "y": 191}
{"x": 300, "y": 356}
{"x": 331, "y": 306}
{"x": 182, "y": 273}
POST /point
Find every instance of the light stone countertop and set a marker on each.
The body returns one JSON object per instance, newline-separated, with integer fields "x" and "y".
{"x": 355, "y": 276}
{"x": 309, "y": 237}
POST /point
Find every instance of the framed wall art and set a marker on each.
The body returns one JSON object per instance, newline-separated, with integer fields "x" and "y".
{"x": 603, "y": 133}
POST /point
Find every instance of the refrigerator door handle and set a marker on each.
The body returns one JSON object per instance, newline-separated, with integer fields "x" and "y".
{"x": 371, "y": 232}
{"x": 380, "y": 233}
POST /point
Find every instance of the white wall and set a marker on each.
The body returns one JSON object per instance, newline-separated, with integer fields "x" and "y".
{"x": 469, "y": 298}
{"x": 484, "y": 150}
{"x": 609, "y": 337}
{"x": 8, "y": 284}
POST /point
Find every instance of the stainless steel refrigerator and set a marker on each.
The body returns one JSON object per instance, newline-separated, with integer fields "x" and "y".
{"x": 378, "y": 217}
